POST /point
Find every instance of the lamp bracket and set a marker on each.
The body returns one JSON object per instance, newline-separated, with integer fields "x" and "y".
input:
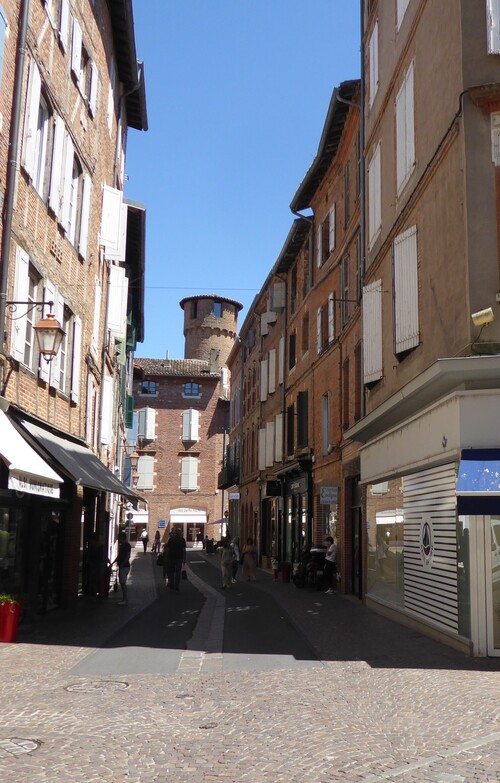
{"x": 12, "y": 308}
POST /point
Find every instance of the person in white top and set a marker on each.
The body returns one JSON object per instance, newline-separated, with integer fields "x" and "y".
{"x": 330, "y": 571}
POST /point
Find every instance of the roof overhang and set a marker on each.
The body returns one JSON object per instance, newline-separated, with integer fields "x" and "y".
{"x": 442, "y": 377}
{"x": 135, "y": 261}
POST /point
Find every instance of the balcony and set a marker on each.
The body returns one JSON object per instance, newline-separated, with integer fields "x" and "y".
{"x": 229, "y": 475}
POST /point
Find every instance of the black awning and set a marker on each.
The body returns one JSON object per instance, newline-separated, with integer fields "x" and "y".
{"x": 78, "y": 461}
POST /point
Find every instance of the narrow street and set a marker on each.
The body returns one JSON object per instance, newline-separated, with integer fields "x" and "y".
{"x": 261, "y": 682}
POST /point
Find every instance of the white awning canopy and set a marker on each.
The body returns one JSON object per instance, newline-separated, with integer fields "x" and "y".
{"x": 28, "y": 472}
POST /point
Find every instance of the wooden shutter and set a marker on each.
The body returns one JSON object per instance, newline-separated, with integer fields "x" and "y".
{"x": 281, "y": 360}
{"x": 373, "y": 56}
{"x": 76, "y": 50}
{"x": 493, "y": 25}
{"x": 319, "y": 317}
{"x": 319, "y": 246}
{"x": 97, "y": 315}
{"x": 111, "y": 217}
{"x": 56, "y": 361}
{"x": 272, "y": 371}
{"x": 85, "y": 216}
{"x": 107, "y": 389}
{"x": 269, "y": 444}
{"x": 332, "y": 227}
{"x": 57, "y": 166}
{"x": 372, "y": 331}
{"x": 94, "y": 81}
{"x": 262, "y": 449}
{"x": 67, "y": 188}
{"x": 189, "y": 473}
{"x": 21, "y": 289}
{"x": 145, "y": 472}
{"x": 64, "y": 24}
{"x": 374, "y": 196}
{"x": 263, "y": 380}
{"x": 76, "y": 359}
{"x": 31, "y": 120}
{"x": 117, "y": 307}
{"x": 406, "y": 317}
{"x": 190, "y": 425}
{"x": 278, "y": 437}
{"x": 147, "y": 424}
{"x": 331, "y": 318}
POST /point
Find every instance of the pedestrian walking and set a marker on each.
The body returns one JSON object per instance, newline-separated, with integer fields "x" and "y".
{"x": 226, "y": 555}
{"x": 174, "y": 557}
{"x": 122, "y": 560}
{"x": 249, "y": 560}
{"x": 330, "y": 569}
{"x": 145, "y": 539}
{"x": 96, "y": 562}
{"x": 235, "y": 546}
{"x": 157, "y": 543}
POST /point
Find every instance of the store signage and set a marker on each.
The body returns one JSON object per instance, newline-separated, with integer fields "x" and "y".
{"x": 33, "y": 486}
{"x": 161, "y": 523}
{"x": 273, "y": 488}
{"x": 328, "y": 496}
{"x": 234, "y": 496}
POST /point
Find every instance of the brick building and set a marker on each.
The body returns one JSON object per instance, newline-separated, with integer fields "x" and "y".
{"x": 181, "y": 410}
{"x": 73, "y": 88}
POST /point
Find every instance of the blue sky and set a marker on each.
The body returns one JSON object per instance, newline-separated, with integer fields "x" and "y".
{"x": 237, "y": 95}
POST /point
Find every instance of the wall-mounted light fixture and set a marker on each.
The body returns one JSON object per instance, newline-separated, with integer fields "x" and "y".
{"x": 48, "y": 331}
{"x": 483, "y": 317}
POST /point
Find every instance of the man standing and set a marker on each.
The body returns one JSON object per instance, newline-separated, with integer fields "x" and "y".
{"x": 330, "y": 571}
{"x": 175, "y": 556}
{"x": 123, "y": 563}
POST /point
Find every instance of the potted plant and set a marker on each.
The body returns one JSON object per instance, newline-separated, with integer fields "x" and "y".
{"x": 10, "y": 612}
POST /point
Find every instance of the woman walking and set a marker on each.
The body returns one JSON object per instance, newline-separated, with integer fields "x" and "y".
{"x": 235, "y": 546}
{"x": 226, "y": 562}
{"x": 249, "y": 555}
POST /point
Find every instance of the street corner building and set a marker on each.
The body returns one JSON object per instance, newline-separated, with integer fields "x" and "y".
{"x": 71, "y": 90}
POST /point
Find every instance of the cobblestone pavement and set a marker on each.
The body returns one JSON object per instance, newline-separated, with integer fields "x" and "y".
{"x": 351, "y": 717}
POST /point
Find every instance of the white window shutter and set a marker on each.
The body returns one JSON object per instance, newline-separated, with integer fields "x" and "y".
{"x": 21, "y": 289}
{"x": 374, "y": 196}
{"x": 278, "y": 437}
{"x": 118, "y": 254}
{"x": 406, "y": 316}
{"x": 107, "y": 410}
{"x": 85, "y": 216}
{"x": 49, "y": 295}
{"x": 272, "y": 371}
{"x": 31, "y": 120}
{"x": 189, "y": 474}
{"x": 190, "y": 425}
{"x": 318, "y": 330}
{"x": 332, "y": 226}
{"x": 69, "y": 157}
{"x": 76, "y": 359}
{"x": 97, "y": 315}
{"x": 111, "y": 95}
{"x": 373, "y": 64}
{"x": 117, "y": 308}
{"x": 145, "y": 472}
{"x": 263, "y": 380}
{"x": 331, "y": 318}
{"x": 111, "y": 216}
{"x": 281, "y": 360}
{"x": 76, "y": 50}
{"x": 64, "y": 24}
{"x": 372, "y": 331}
{"x": 410, "y": 118}
{"x": 319, "y": 246}
{"x": 262, "y": 449}
{"x": 57, "y": 166}
{"x": 147, "y": 424}
{"x": 493, "y": 25}
{"x": 94, "y": 81}
{"x": 56, "y": 361}
{"x": 269, "y": 444}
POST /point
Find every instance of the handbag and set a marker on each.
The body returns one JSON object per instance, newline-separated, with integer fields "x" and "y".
{"x": 184, "y": 574}
{"x": 159, "y": 559}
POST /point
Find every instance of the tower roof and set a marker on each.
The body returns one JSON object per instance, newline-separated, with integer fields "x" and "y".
{"x": 214, "y": 297}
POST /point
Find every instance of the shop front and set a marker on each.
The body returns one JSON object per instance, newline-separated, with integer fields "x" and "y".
{"x": 192, "y": 524}
{"x": 432, "y": 498}
{"x": 297, "y": 530}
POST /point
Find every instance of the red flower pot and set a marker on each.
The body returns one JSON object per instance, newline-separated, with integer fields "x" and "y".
{"x": 10, "y": 612}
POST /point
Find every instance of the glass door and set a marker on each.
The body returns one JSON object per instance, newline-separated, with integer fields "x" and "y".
{"x": 492, "y": 550}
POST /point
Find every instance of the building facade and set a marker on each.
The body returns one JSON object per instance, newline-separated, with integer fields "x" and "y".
{"x": 73, "y": 89}
{"x": 182, "y": 418}
{"x": 430, "y": 300}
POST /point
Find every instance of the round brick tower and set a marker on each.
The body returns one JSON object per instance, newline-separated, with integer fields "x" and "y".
{"x": 210, "y": 327}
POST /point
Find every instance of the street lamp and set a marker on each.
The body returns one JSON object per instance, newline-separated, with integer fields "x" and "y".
{"x": 49, "y": 335}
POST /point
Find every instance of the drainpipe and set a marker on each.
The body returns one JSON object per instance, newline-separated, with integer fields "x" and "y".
{"x": 10, "y": 188}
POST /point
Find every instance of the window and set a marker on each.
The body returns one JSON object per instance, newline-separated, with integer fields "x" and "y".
{"x": 405, "y": 130}
{"x": 344, "y": 282}
{"x": 290, "y": 430}
{"x": 406, "y": 316}
{"x": 332, "y": 301}
{"x": 146, "y": 424}
{"x": 373, "y": 64}
{"x": 325, "y": 422}
{"x": 190, "y": 425}
{"x": 217, "y": 311}
{"x": 64, "y": 355}
{"x": 31, "y": 318}
{"x": 306, "y": 272}
{"x": 359, "y": 271}
{"x": 345, "y": 394}
{"x": 264, "y": 380}
{"x": 374, "y": 197}
{"x": 322, "y": 328}
{"x": 347, "y": 194}
{"x": 271, "y": 386}
{"x": 305, "y": 333}
{"x": 83, "y": 68}
{"x": 326, "y": 238}
{"x": 35, "y": 157}
{"x": 149, "y": 387}
{"x": 189, "y": 474}
{"x": 191, "y": 389}
{"x": 291, "y": 350}
{"x": 194, "y": 309}
{"x": 145, "y": 472}
{"x": 302, "y": 420}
